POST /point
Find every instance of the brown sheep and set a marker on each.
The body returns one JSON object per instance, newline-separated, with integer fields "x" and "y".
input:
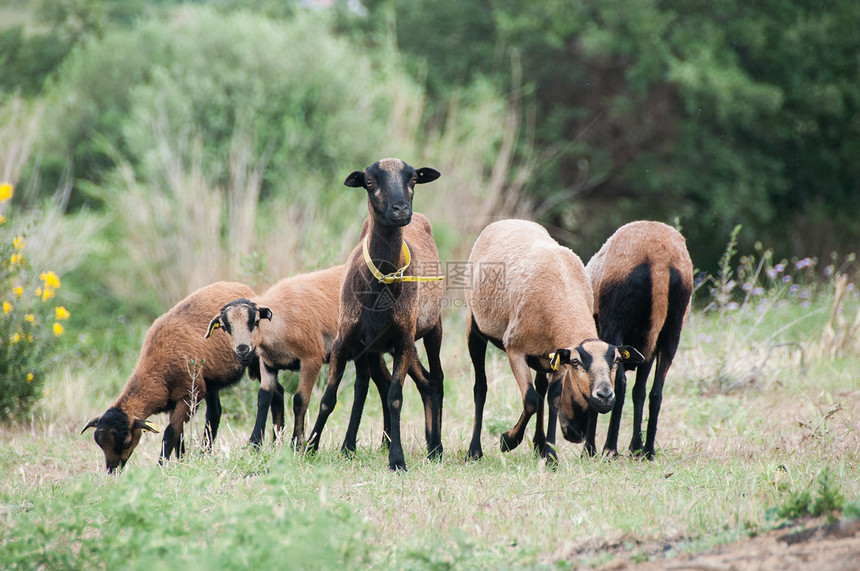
{"x": 530, "y": 297}
{"x": 642, "y": 279}
{"x": 176, "y": 369}
{"x": 292, "y": 326}
{"x": 382, "y": 306}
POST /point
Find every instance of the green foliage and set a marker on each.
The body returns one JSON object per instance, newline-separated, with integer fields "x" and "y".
{"x": 30, "y": 322}
{"x": 143, "y": 520}
{"x": 717, "y": 113}
{"x": 827, "y": 499}
{"x": 311, "y": 101}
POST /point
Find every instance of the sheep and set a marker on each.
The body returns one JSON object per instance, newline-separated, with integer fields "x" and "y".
{"x": 175, "y": 368}
{"x": 292, "y": 326}
{"x": 530, "y": 297}
{"x": 642, "y": 279}
{"x": 387, "y": 312}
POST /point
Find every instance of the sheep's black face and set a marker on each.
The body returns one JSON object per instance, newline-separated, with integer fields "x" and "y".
{"x": 390, "y": 184}
{"x": 115, "y": 437}
{"x": 591, "y": 380}
{"x": 240, "y": 319}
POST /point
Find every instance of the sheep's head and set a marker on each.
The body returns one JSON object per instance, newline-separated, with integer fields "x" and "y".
{"x": 589, "y": 382}
{"x": 117, "y": 435}
{"x": 390, "y": 184}
{"x": 240, "y": 319}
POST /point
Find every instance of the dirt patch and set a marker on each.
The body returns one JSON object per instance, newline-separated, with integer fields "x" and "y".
{"x": 812, "y": 544}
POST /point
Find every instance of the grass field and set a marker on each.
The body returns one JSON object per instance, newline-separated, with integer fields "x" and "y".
{"x": 755, "y": 413}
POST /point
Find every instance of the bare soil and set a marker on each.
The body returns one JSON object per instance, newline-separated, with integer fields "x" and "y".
{"x": 809, "y": 544}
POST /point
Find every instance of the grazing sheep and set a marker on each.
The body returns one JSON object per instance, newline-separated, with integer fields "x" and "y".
{"x": 175, "y": 369}
{"x": 385, "y": 306}
{"x": 292, "y": 326}
{"x": 642, "y": 279}
{"x": 530, "y": 297}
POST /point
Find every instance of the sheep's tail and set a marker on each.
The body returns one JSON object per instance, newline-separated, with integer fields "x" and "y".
{"x": 660, "y": 277}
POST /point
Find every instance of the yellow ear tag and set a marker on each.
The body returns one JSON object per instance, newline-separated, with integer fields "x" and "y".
{"x": 554, "y": 359}
{"x": 625, "y": 355}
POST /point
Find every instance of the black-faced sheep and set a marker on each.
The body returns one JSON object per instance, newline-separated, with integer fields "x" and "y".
{"x": 642, "y": 279}
{"x": 292, "y": 326}
{"x": 384, "y": 305}
{"x": 530, "y": 297}
{"x": 175, "y": 370}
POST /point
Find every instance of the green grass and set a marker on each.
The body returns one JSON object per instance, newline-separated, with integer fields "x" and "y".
{"x": 727, "y": 462}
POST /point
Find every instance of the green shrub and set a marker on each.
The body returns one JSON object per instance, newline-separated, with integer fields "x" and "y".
{"x": 30, "y": 323}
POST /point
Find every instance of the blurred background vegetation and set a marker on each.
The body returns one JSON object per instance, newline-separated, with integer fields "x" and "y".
{"x": 172, "y": 143}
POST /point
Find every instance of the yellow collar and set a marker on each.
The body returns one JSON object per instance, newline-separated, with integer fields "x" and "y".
{"x": 394, "y": 276}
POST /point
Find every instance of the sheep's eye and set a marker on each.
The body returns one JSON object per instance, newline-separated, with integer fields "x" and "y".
{"x": 575, "y": 363}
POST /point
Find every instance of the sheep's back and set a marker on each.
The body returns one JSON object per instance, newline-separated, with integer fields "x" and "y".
{"x": 527, "y": 290}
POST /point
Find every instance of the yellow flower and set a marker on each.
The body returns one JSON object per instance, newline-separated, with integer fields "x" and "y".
{"x": 16, "y": 259}
{"x": 7, "y": 307}
{"x": 18, "y": 242}
{"x": 63, "y": 313}
{"x": 58, "y": 329}
{"x": 15, "y": 338}
{"x": 51, "y": 280}
{"x": 47, "y": 294}
{"x": 18, "y": 291}
{"x": 30, "y": 318}
{"x": 29, "y": 377}
{"x": 6, "y": 191}
{"x": 2, "y": 219}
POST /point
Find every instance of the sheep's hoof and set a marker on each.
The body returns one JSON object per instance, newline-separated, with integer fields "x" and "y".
{"x": 610, "y": 453}
{"x": 474, "y": 454}
{"x": 347, "y": 451}
{"x": 397, "y": 466}
{"x": 549, "y": 454}
{"x": 507, "y": 443}
{"x": 435, "y": 454}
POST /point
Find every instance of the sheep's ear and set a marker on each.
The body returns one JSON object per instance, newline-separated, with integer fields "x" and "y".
{"x": 629, "y": 355}
{"x": 426, "y": 174}
{"x": 355, "y": 179}
{"x": 143, "y": 425}
{"x": 91, "y": 424}
{"x": 213, "y": 325}
{"x": 560, "y": 357}
{"x": 265, "y": 313}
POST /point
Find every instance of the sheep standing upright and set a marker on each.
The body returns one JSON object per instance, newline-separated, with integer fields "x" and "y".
{"x": 385, "y": 306}
{"x": 642, "y": 279}
{"x": 176, "y": 369}
{"x": 291, "y": 326}
{"x": 530, "y": 297}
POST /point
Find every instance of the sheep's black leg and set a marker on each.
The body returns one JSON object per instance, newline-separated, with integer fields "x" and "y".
{"x": 655, "y": 399}
{"x": 268, "y": 387}
{"x": 433, "y": 429}
{"x": 309, "y": 370}
{"x": 553, "y": 399}
{"x": 382, "y": 379}
{"x": 359, "y": 396}
{"x": 395, "y": 404}
{"x": 478, "y": 354}
{"x": 611, "y": 446}
{"x": 589, "y": 449}
{"x": 277, "y": 408}
{"x": 642, "y": 372}
{"x": 513, "y": 437}
{"x": 213, "y": 418}
{"x": 172, "y": 439}
{"x": 335, "y": 373}
{"x": 540, "y": 436}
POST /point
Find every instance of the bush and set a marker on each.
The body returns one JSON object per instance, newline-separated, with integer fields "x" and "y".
{"x": 32, "y": 319}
